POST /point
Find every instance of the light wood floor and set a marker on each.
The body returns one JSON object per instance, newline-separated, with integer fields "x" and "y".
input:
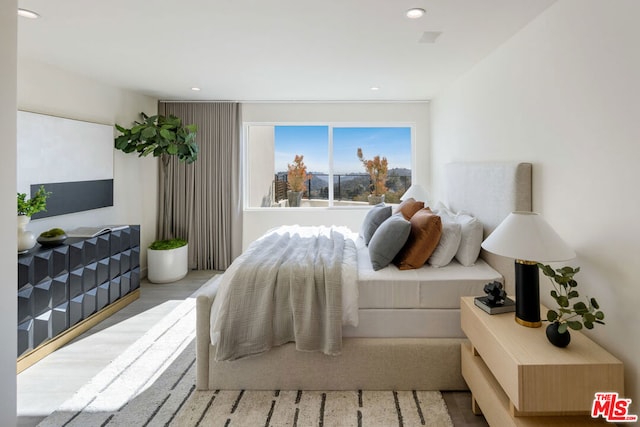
{"x": 43, "y": 387}
{"x": 50, "y": 382}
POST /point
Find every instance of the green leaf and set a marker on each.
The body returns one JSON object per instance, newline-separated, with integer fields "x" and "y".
{"x": 599, "y": 315}
{"x": 551, "y": 315}
{"x": 167, "y": 134}
{"x": 573, "y": 324}
{"x": 562, "y": 328}
{"x": 566, "y": 270}
{"x": 588, "y": 325}
{"x": 172, "y": 149}
{"x": 588, "y": 317}
{"x": 573, "y": 294}
{"x": 137, "y": 129}
{"x": 594, "y": 303}
{"x": 122, "y": 142}
{"x": 547, "y": 270}
{"x": 580, "y": 307}
{"x": 120, "y": 128}
{"x": 554, "y": 294}
{"x": 148, "y": 133}
{"x": 563, "y": 301}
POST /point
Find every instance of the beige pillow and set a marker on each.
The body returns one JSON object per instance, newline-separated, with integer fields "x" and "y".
{"x": 426, "y": 229}
{"x": 408, "y": 208}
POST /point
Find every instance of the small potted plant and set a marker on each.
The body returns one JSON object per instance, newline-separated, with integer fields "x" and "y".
{"x": 377, "y": 168}
{"x": 27, "y": 208}
{"x": 568, "y": 315}
{"x": 296, "y": 180}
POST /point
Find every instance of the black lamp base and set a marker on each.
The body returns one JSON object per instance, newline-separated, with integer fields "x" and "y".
{"x": 527, "y": 294}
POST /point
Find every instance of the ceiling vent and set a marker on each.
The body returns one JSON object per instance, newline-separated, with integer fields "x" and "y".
{"x": 429, "y": 36}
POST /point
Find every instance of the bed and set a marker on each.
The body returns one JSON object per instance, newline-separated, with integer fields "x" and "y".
{"x": 408, "y": 335}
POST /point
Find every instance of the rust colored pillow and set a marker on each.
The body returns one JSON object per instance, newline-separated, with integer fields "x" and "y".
{"x": 408, "y": 208}
{"x": 426, "y": 229}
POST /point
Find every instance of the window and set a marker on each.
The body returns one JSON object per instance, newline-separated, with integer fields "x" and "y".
{"x": 330, "y": 154}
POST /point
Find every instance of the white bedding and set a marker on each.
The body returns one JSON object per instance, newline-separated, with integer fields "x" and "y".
{"x": 427, "y": 287}
{"x": 420, "y": 303}
{"x": 397, "y": 303}
{"x": 349, "y": 294}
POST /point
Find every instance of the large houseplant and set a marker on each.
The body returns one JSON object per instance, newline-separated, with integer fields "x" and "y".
{"x": 163, "y": 137}
{"x": 27, "y": 208}
{"x": 297, "y": 177}
{"x": 377, "y": 168}
{"x": 568, "y": 314}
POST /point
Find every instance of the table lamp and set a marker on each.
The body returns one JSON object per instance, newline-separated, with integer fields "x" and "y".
{"x": 528, "y": 238}
{"x": 417, "y": 192}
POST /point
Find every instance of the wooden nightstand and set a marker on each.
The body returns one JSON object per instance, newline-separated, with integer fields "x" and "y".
{"x": 518, "y": 378}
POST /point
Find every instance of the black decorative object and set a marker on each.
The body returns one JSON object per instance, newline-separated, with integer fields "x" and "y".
{"x": 495, "y": 293}
{"x": 556, "y": 338}
{"x": 63, "y": 285}
{"x": 496, "y": 301}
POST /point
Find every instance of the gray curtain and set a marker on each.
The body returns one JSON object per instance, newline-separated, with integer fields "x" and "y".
{"x": 201, "y": 202}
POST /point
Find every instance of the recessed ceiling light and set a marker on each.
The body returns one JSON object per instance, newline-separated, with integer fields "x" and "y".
{"x": 28, "y": 14}
{"x": 415, "y": 13}
{"x": 374, "y": 88}
{"x": 195, "y": 89}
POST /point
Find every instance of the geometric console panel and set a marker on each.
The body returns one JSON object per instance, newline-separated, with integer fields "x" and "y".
{"x": 61, "y": 286}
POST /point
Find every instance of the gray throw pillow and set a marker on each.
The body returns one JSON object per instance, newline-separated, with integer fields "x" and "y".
{"x": 376, "y": 216}
{"x": 387, "y": 241}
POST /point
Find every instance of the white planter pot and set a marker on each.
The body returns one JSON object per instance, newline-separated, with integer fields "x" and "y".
{"x": 165, "y": 266}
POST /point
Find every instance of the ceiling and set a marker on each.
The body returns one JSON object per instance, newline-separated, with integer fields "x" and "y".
{"x": 271, "y": 50}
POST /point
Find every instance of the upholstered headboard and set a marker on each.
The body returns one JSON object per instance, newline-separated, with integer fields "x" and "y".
{"x": 490, "y": 192}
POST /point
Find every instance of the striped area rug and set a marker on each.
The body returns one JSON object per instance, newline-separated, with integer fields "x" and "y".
{"x": 152, "y": 383}
{"x": 314, "y": 408}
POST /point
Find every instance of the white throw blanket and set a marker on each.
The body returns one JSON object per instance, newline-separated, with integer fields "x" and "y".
{"x": 287, "y": 286}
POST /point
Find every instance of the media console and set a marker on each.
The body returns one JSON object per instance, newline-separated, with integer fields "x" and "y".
{"x": 67, "y": 289}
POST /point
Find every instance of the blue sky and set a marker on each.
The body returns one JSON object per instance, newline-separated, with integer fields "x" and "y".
{"x": 394, "y": 143}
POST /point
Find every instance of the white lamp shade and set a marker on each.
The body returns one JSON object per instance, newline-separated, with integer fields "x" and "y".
{"x": 417, "y": 192}
{"x": 527, "y": 236}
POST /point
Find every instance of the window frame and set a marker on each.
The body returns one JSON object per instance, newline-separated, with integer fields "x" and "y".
{"x": 331, "y": 125}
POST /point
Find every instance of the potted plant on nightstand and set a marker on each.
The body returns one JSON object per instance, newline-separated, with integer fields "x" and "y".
{"x": 27, "y": 208}
{"x": 296, "y": 178}
{"x": 377, "y": 168}
{"x": 568, "y": 315}
{"x": 162, "y": 137}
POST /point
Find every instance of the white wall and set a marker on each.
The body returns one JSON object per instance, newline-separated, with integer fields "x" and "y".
{"x": 261, "y": 164}
{"x": 256, "y": 222}
{"x": 49, "y": 90}
{"x": 563, "y": 94}
{"x": 8, "y": 298}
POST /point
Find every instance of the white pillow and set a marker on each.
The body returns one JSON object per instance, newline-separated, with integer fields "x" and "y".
{"x": 447, "y": 246}
{"x": 471, "y": 235}
{"x": 470, "y": 240}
